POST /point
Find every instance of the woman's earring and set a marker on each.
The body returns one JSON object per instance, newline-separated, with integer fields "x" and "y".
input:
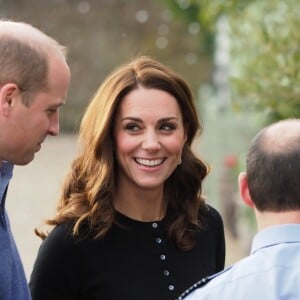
{"x": 180, "y": 161}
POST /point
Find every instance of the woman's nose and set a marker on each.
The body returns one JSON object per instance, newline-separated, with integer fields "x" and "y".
{"x": 151, "y": 141}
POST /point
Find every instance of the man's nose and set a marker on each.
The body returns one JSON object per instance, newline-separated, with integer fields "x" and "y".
{"x": 54, "y": 125}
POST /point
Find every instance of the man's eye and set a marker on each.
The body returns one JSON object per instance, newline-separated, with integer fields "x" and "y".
{"x": 52, "y": 110}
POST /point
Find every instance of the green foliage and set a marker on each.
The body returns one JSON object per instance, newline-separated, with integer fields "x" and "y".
{"x": 205, "y": 12}
{"x": 265, "y": 58}
{"x": 189, "y": 12}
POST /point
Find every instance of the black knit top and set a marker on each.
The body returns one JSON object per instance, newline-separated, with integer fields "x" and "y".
{"x": 133, "y": 262}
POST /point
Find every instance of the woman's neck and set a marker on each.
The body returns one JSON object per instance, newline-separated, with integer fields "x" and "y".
{"x": 141, "y": 205}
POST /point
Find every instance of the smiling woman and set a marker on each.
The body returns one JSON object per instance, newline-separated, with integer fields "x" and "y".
{"x": 132, "y": 201}
{"x": 148, "y": 145}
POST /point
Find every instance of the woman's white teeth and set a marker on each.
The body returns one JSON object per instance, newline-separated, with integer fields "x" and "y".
{"x": 149, "y": 162}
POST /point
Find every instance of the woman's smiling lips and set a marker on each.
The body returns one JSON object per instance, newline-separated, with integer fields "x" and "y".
{"x": 149, "y": 162}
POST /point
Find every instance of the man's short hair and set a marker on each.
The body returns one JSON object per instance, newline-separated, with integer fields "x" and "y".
{"x": 274, "y": 174}
{"x": 25, "y": 62}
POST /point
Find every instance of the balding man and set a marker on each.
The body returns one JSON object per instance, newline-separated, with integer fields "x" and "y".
{"x": 34, "y": 79}
{"x": 271, "y": 186}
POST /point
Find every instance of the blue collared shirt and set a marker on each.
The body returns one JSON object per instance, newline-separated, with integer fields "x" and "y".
{"x": 13, "y": 283}
{"x": 6, "y": 170}
{"x": 271, "y": 272}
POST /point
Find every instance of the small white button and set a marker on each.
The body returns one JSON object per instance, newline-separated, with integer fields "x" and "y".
{"x": 154, "y": 225}
{"x": 162, "y": 257}
{"x": 171, "y": 287}
{"x": 166, "y": 273}
{"x": 158, "y": 240}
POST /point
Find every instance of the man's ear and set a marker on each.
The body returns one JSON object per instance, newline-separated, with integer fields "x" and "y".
{"x": 244, "y": 189}
{"x": 8, "y": 94}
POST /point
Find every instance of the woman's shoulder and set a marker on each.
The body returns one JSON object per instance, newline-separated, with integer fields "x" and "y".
{"x": 210, "y": 215}
{"x": 211, "y": 211}
{"x": 61, "y": 232}
{"x": 63, "y": 237}
{"x": 56, "y": 265}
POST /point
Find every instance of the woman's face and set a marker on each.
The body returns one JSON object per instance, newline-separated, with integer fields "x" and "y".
{"x": 149, "y": 137}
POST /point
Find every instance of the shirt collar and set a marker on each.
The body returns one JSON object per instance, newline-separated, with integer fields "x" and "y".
{"x": 286, "y": 233}
{"x": 6, "y": 171}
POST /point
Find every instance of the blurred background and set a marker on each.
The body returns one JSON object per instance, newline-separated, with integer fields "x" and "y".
{"x": 240, "y": 57}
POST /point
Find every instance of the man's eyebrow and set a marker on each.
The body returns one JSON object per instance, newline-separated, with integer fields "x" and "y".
{"x": 57, "y": 104}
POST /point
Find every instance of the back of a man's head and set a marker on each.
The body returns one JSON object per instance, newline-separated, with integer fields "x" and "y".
{"x": 24, "y": 57}
{"x": 273, "y": 167}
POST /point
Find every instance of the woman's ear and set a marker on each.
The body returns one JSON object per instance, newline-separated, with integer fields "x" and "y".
{"x": 244, "y": 189}
{"x": 185, "y": 135}
{"x": 8, "y": 94}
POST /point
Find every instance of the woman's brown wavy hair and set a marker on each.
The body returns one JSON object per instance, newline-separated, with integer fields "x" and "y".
{"x": 89, "y": 187}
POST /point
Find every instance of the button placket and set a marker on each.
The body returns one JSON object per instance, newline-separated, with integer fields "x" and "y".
{"x": 163, "y": 256}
